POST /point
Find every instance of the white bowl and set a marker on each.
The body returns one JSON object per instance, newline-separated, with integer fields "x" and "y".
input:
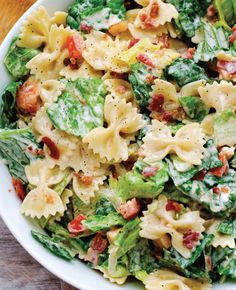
{"x": 75, "y": 273}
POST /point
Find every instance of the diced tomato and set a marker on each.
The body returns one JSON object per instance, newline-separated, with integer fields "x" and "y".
{"x": 75, "y": 226}
{"x": 149, "y": 171}
{"x": 133, "y": 42}
{"x": 85, "y": 27}
{"x": 27, "y": 99}
{"x": 216, "y": 190}
{"x": 19, "y": 188}
{"x": 130, "y": 209}
{"x": 75, "y": 45}
{"x": 157, "y": 103}
{"x": 173, "y": 206}
{"x": 189, "y": 53}
{"x": 200, "y": 175}
{"x": 222, "y": 170}
{"x": 228, "y": 66}
{"x": 154, "y": 10}
{"x": 145, "y": 59}
{"x": 232, "y": 37}
{"x": 99, "y": 243}
{"x": 190, "y": 238}
{"x": 54, "y": 151}
{"x": 92, "y": 256}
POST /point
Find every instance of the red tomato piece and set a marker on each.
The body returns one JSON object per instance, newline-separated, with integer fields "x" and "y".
{"x": 75, "y": 45}
{"x": 99, "y": 243}
{"x": 133, "y": 42}
{"x": 157, "y": 103}
{"x": 54, "y": 151}
{"x": 173, "y": 206}
{"x": 75, "y": 226}
{"x": 149, "y": 171}
{"x": 190, "y": 238}
{"x": 145, "y": 59}
{"x": 27, "y": 99}
{"x": 19, "y": 188}
{"x": 130, "y": 209}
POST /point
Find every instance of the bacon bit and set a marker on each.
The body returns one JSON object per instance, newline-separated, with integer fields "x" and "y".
{"x": 130, "y": 209}
{"x": 164, "y": 41}
{"x": 154, "y": 10}
{"x": 19, "y": 188}
{"x": 232, "y": 37}
{"x": 75, "y": 226}
{"x": 208, "y": 262}
{"x": 228, "y": 66}
{"x": 9, "y": 190}
{"x": 121, "y": 76}
{"x": 150, "y": 79}
{"x": 143, "y": 17}
{"x": 145, "y": 59}
{"x": 222, "y": 170}
{"x": 49, "y": 199}
{"x": 85, "y": 27}
{"x": 216, "y": 190}
{"x": 54, "y": 151}
{"x": 173, "y": 206}
{"x": 92, "y": 256}
{"x": 149, "y": 171}
{"x": 228, "y": 152}
{"x": 121, "y": 89}
{"x": 27, "y": 98}
{"x": 157, "y": 103}
{"x": 211, "y": 11}
{"x": 189, "y": 53}
{"x": 129, "y": 163}
{"x": 200, "y": 175}
{"x": 133, "y": 42}
{"x": 75, "y": 45}
{"x": 99, "y": 243}
{"x": 190, "y": 238}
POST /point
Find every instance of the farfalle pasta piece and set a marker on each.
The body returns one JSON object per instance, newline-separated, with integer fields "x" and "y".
{"x": 122, "y": 121}
{"x": 118, "y": 280}
{"x": 157, "y": 13}
{"x": 187, "y": 143}
{"x": 191, "y": 89}
{"x": 220, "y": 240}
{"x": 84, "y": 71}
{"x": 35, "y": 30}
{"x": 42, "y": 201}
{"x": 219, "y": 96}
{"x": 158, "y": 223}
{"x": 50, "y": 90}
{"x": 120, "y": 89}
{"x": 48, "y": 64}
{"x": 168, "y": 280}
{"x": 87, "y": 191}
{"x": 103, "y": 53}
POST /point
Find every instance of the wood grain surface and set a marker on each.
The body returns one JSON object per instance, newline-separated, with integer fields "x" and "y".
{"x": 18, "y": 270}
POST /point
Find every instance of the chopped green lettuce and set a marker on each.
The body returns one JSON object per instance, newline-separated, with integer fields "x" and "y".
{"x": 190, "y": 13}
{"x": 184, "y": 71}
{"x": 99, "y": 14}
{"x": 17, "y": 58}
{"x": 228, "y": 267}
{"x": 211, "y": 156}
{"x": 216, "y": 39}
{"x": 79, "y": 109}
{"x": 17, "y": 149}
{"x": 104, "y": 207}
{"x": 194, "y": 107}
{"x": 227, "y": 12}
{"x": 134, "y": 184}
{"x": 228, "y": 227}
{"x": 225, "y": 128}
{"x": 141, "y": 86}
{"x": 8, "y": 114}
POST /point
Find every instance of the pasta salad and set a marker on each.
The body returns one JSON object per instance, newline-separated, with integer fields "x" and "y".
{"x": 119, "y": 132}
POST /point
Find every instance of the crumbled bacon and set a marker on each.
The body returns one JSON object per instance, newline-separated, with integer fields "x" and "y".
{"x": 216, "y": 190}
{"x": 200, "y": 175}
{"x": 54, "y": 151}
{"x": 190, "y": 239}
{"x": 92, "y": 256}
{"x": 99, "y": 243}
{"x": 173, "y": 206}
{"x": 130, "y": 209}
{"x": 133, "y": 42}
{"x": 19, "y": 188}
{"x": 189, "y": 53}
{"x": 157, "y": 103}
{"x": 129, "y": 163}
{"x": 154, "y": 10}
{"x": 149, "y": 171}
{"x": 211, "y": 11}
{"x": 228, "y": 66}
{"x": 145, "y": 59}
{"x": 164, "y": 41}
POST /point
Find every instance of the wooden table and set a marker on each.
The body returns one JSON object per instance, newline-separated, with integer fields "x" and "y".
{"x": 18, "y": 270}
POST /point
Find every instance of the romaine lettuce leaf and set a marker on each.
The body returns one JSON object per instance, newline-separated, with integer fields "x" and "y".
{"x": 17, "y": 58}
{"x": 8, "y": 114}
{"x": 226, "y": 11}
{"x": 228, "y": 227}
{"x": 225, "y": 128}
{"x": 79, "y": 109}
{"x": 99, "y": 14}
{"x": 216, "y": 39}
{"x": 228, "y": 267}
{"x": 211, "y": 156}
{"x": 134, "y": 184}
{"x": 104, "y": 207}
{"x": 190, "y": 13}
{"x": 18, "y": 148}
{"x": 184, "y": 71}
